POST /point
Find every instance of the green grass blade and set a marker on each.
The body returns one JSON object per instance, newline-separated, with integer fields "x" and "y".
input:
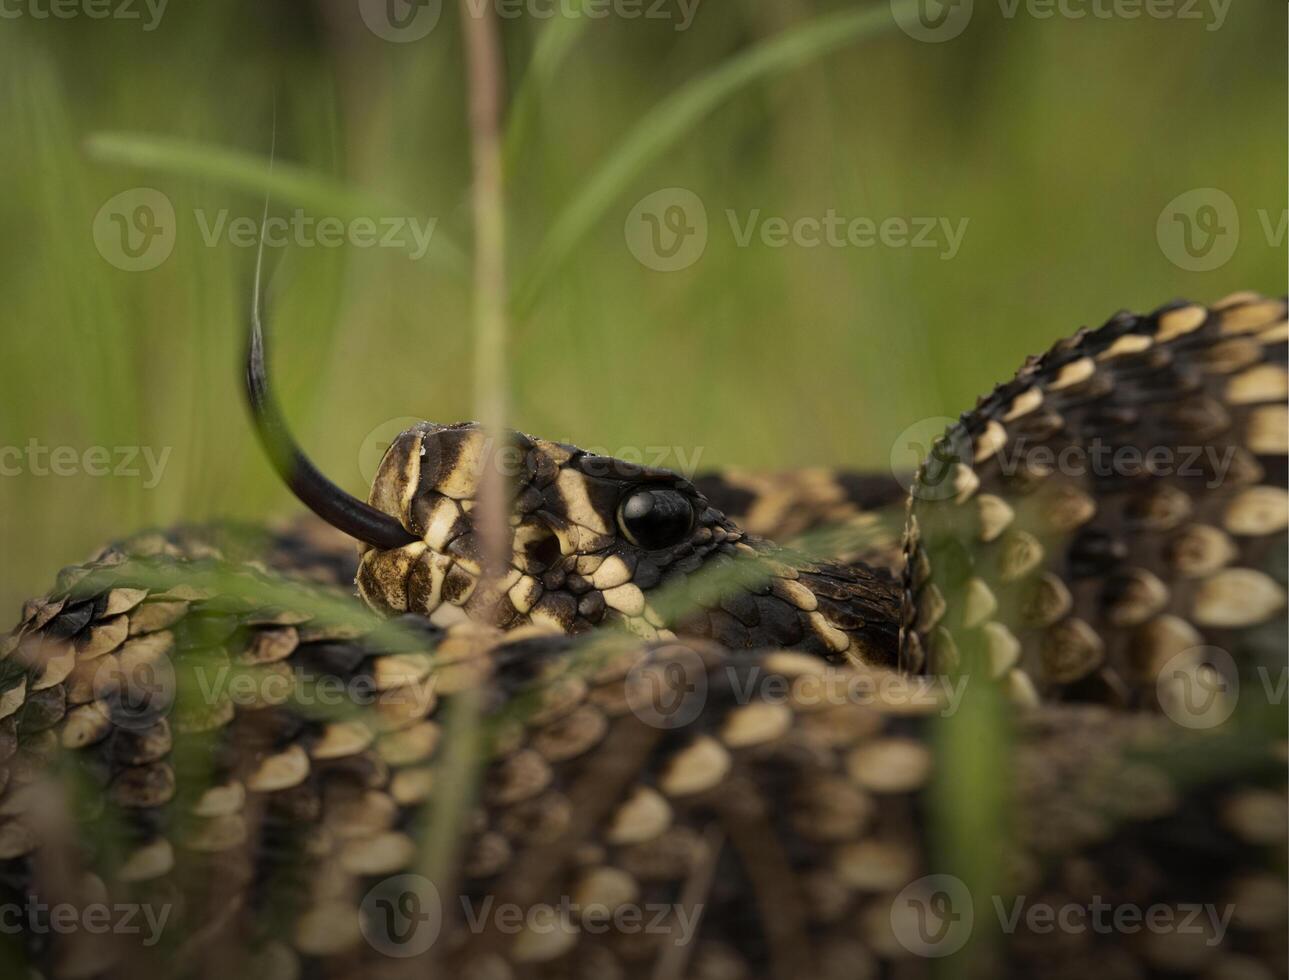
{"x": 677, "y": 114}
{"x": 258, "y": 175}
{"x": 554, "y": 43}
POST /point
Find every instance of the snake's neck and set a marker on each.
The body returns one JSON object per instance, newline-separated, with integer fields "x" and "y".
{"x": 840, "y": 612}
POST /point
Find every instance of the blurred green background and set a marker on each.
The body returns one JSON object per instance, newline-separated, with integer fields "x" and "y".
{"x": 1060, "y": 142}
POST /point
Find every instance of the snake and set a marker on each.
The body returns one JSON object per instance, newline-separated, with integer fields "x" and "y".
{"x": 585, "y": 718}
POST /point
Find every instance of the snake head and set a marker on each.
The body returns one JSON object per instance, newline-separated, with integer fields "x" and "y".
{"x": 588, "y": 538}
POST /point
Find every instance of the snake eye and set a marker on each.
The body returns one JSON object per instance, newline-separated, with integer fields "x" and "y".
{"x": 655, "y": 518}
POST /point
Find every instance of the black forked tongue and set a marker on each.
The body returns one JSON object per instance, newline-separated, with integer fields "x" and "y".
{"x": 339, "y": 509}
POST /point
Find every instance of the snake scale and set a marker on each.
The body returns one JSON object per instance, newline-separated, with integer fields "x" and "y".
{"x": 656, "y": 745}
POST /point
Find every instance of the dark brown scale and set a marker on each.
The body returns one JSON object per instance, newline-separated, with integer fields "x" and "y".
{"x": 468, "y": 547}
{"x": 560, "y": 608}
{"x": 541, "y": 469}
{"x": 1039, "y": 426}
{"x": 742, "y": 607}
{"x": 133, "y": 747}
{"x": 843, "y": 616}
{"x": 577, "y": 584}
{"x": 647, "y": 574}
{"x": 780, "y": 623}
{"x": 555, "y": 578}
{"x": 442, "y": 455}
{"x": 334, "y": 659}
{"x": 591, "y": 607}
{"x": 728, "y": 631}
{"x": 457, "y": 584}
{"x": 71, "y": 620}
{"x": 528, "y": 501}
{"x": 691, "y": 563}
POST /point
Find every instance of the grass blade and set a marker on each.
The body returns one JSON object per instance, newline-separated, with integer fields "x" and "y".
{"x": 677, "y": 114}
{"x": 554, "y": 43}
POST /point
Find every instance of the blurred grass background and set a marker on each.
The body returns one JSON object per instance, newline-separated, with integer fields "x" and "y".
{"x": 1060, "y": 141}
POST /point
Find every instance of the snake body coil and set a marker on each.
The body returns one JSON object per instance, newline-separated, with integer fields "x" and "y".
{"x": 686, "y": 751}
